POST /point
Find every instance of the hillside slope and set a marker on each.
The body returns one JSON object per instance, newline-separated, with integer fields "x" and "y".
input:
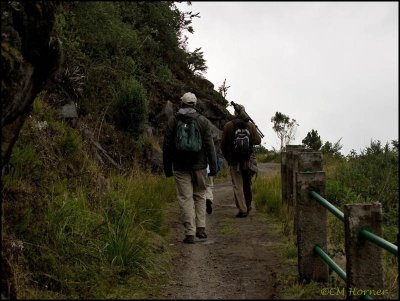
{"x": 86, "y": 90}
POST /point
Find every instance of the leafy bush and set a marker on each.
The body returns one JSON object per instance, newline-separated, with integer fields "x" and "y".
{"x": 131, "y": 107}
{"x": 371, "y": 176}
{"x": 164, "y": 73}
{"x": 101, "y": 30}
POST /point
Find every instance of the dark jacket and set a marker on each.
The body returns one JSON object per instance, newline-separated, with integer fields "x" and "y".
{"x": 227, "y": 140}
{"x": 186, "y": 161}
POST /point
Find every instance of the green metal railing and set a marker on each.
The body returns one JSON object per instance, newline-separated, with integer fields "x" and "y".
{"x": 388, "y": 246}
{"x": 336, "y": 212}
{"x": 332, "y": 264}
{"x": 364, "y": 233}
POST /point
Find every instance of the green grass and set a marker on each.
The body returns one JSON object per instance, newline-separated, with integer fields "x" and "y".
{"x": 267, "y": 194}
{"x": 227, "y": 227}
{"x": 267, "y": 197}
{"x": 89, "y": 247}
{"x": 296, "y": 291}
{"x": 85, "y": 232}
{"x": 268, "y": 156}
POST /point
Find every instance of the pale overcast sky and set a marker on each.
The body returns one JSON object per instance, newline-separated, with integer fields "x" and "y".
{"x": 332, "y": 66}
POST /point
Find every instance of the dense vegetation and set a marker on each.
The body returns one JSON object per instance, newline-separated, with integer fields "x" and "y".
{"x": 122, "y": 62}
{"x": 73, "y": 229}
{"x": 371, "y": 176}
{"x": 82, "y": 215}
{"x": 112, "y": 42}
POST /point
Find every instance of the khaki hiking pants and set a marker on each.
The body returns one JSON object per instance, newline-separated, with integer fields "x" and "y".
{"x": 190, "y": 191}
{"x": 209, "y": 188}
{"x": 241, "y": 182}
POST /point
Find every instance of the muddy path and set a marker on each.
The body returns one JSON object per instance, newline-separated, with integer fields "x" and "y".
{"x": 241, "y": 258}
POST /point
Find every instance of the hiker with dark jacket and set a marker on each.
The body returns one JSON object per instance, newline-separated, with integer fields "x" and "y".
{"x": 242, "y": 165}
{"x": 188, "y": 164}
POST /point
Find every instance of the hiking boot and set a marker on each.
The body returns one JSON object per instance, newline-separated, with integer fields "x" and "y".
{"x": 241, "y": 214}
{"x": 189, "y": 239}
{"x": 201, "y": 233}
{"x": 249, "y": 209}
{"x": 208, "y": 206}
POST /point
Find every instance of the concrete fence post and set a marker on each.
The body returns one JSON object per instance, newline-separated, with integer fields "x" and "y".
{"x": 305, "y": 161}
{"x": 291, "y": 168}
{"x": 364, "y": 259}
{"x": 311, "y": 226}
{"x": 284, "y": 177}
{"x": 309, "y": 161}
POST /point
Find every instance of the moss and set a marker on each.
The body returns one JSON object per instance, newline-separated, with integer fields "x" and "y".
{"x": 11, "y": 55}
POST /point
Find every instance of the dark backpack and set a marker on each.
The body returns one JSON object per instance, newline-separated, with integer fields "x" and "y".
{"x": 188, "y": 136}
{"x": 242, "y": 147}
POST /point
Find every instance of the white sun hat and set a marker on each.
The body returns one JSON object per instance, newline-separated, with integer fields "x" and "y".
{"x": 189, "y": 99}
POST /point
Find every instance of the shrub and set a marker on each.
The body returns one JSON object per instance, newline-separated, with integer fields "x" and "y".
{"x": 70, "y": 142}
{"x": 131, "y": 107}
{"x": 369, "y": 177}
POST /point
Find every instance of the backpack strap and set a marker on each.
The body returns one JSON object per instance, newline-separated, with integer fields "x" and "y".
{"x": 179, "y": 116}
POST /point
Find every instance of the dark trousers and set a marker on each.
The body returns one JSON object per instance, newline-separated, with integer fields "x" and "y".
{"x": 248, "y": 195}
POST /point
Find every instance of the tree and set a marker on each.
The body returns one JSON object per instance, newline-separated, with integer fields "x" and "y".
{"x": 184, "y": 23}
{"x": 284, "y": 127}
{"x": 332, "y": 149}
{"x": 395, "y": 145}
{"x": 223, "y": 89}
{"x": 312, "y": 140}
{"x": 196, "y": 61}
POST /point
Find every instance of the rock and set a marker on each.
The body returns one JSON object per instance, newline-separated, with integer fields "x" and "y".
{"x": 69, "y": 113}
{"x": 30, "y": 55}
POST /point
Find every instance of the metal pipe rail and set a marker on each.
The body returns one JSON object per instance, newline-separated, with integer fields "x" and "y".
{"x": 332, "y": 264}
{"x": 339, "y": 214}
{"x": 364, "y": 233}
{"x": 388, "y": 246}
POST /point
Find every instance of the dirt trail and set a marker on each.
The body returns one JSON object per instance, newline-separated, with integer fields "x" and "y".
{"x": 240, "y": 259}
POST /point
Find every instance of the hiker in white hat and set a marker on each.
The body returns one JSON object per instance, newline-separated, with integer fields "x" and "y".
{"x": 187, "y": 150}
